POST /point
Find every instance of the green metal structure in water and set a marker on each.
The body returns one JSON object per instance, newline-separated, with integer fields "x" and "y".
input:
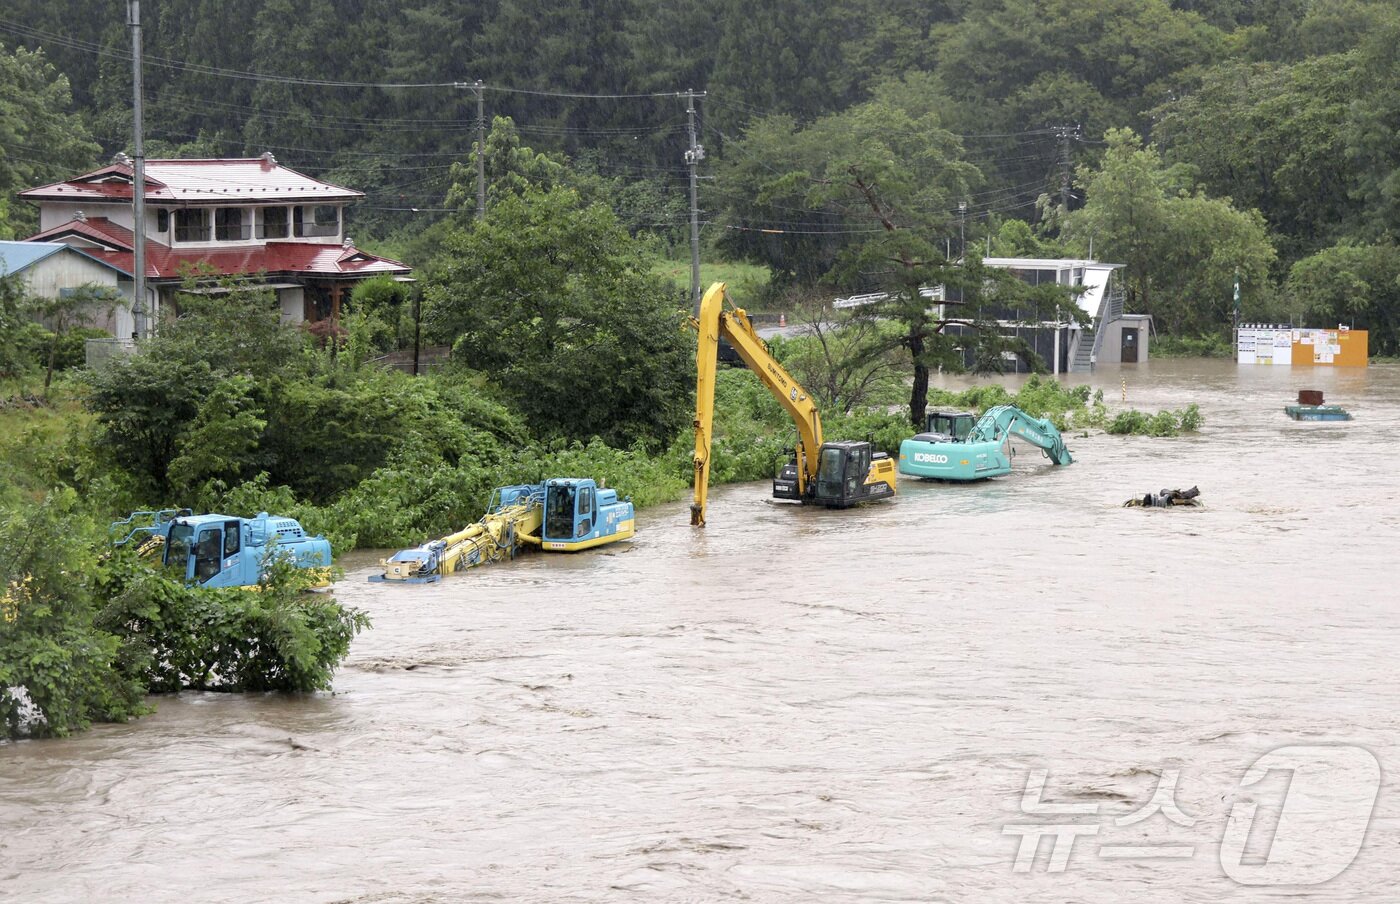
{"x": 957, "y": 447}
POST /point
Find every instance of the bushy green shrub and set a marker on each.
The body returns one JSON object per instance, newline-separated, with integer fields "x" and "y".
{"x": 1214, "y": 345}
{"x": 59, "y": 670}
{"x": 1163, "y": 423}
{"x": 276, "y": 637}
{"x": 1071, "y": 407}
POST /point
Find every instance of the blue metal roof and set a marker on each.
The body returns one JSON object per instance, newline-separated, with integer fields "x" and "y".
{"x": 16, "y": 256}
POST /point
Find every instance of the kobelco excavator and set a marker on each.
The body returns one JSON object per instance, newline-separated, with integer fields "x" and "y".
{"x": 956, "y": 448}
{"x": 835, "y": 474}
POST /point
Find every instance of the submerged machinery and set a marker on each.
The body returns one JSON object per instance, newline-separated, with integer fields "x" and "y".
{"x": 955, "y": 447}
{"x": 564, "y": 514}
{"x": 832, "y": 474}
{"x": 1311, "y": 407}
{"x": 221, "y": 550}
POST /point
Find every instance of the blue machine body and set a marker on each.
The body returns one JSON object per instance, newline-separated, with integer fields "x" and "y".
{"x": 578, "y": 514}
{"x": 225, "y": 551}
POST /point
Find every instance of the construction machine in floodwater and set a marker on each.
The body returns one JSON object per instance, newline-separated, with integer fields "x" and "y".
{"x": 223, "y": 550}
{"x": 563, "y": 514}
{"x": 955, "y": 448}
{"x": 833, "y": 474}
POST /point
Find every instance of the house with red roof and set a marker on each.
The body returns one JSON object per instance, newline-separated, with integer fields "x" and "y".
{"x": 213, "y": 219}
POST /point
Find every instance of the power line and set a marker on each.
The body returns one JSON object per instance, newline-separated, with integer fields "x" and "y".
{"x": 219, "y": 72}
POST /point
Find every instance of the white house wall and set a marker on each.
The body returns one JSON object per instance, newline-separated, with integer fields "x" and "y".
{"x": 57, "y": 213}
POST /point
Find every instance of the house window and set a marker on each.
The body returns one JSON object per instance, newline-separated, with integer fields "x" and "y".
{"x": 192, "y": 225}
{"x": 310, "y": 220}
{"x": 162, "y": 221}
{"x": 229, "y": 225}
{"x": 272, "y": 222}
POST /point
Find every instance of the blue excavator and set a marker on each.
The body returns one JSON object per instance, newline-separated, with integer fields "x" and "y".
{"x": 955, "y": 447}
{"x": 223, "y": 550}
{"x": 562, "y": 514}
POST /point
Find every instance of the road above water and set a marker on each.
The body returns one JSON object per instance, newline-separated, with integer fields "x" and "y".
{"x": 801, "y": 705}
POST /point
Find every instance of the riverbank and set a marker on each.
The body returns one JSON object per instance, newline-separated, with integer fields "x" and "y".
{"x": 708, "y": 714}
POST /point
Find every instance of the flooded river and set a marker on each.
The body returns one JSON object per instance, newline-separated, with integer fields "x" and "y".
{"x": 802, "y": 705}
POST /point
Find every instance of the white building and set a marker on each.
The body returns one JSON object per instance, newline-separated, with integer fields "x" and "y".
{"x": 1110, "y": 335}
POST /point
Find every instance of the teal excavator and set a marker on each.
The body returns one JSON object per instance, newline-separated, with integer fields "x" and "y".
{"x": 954, "y": 447}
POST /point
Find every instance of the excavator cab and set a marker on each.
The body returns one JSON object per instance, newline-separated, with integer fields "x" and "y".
{"x": 948, "y": 426}
{"x": 848, "y": 473}
{"x": 580, "y": 514}
{"x": 568, "y": 509}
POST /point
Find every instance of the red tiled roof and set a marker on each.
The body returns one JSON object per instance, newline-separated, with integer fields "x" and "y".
{"x": 96, "y": 229}
{"x": 195, "y": 182}
{"x": 286, "y": 258}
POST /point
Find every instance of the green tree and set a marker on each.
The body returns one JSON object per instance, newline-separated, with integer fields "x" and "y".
{"x": 1371, "y": 147}
{"x": 1355, "y": 285}
{"x": 844, "y": 360}
{"x": 779, "y": 58}
{"x": 878, "y": 184}
{"x": 1181, "y": 249}
{"x": 510, "y": 169}
{"x": 1274, "y": 137}
{"x": 557, "y": 304}
{"x": 58, "y": 670}
{"x": 1021, "y": 67}
{"x": 68, "y": 312}
{"x": 13, "y": 298}
{"x": 40, "y": 140}
{"x": 220, "y": 441}
{"x": 789, "y": 198}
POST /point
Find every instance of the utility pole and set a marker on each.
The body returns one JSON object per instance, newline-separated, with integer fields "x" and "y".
{"x": 1065, "y": 133}
{"x": 962, "y": 231}
{"x": 693, "y": 155}
{"x": 480, "y": 157}
{"x": 417, "y": 327}
{"x": 138, "y": 180}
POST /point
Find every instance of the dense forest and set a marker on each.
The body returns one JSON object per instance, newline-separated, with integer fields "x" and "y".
{"x": 1194, "y": 140}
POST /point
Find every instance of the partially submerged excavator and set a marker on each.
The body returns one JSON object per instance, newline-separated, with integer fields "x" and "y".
{"x": 223, "y": 550}
{"x": 834, "y": 474}
{"x": 954, "y": 447}
{"x": 563, "y": 514}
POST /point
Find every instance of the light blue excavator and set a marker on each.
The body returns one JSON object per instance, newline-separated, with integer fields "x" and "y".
{"x": 955, "y": 448}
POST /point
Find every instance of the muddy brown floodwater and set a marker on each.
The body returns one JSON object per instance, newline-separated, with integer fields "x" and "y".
{"x": 802, "y": 705}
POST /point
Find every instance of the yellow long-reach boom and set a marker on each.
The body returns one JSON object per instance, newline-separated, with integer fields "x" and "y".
{"x": 837, "y": 474}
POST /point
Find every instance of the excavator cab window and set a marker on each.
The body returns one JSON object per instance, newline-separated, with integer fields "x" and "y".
{"x": 559, "y": 512}
{"x": 208, "y": 554}
{"x": 953, "y": 425}
{"x": 177, "y": 548}
{"x": 857, "y": 466}
{"x": 831, "y": 472}
{"x": 232, "y": 538}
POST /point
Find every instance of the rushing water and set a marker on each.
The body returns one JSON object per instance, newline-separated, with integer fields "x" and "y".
{"x": 805, "y": 705}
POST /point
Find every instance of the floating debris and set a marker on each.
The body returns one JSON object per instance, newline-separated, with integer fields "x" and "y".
{"x": 1165, "y": 499}
{"x": 1310, "y": 407}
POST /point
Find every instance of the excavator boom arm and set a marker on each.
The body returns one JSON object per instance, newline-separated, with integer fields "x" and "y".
{"x": 713, "y": 324}
{"x": 1001, "y": 420}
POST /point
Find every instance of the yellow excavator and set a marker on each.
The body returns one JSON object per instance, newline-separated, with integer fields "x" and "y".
{"x": 835, "y": 474}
